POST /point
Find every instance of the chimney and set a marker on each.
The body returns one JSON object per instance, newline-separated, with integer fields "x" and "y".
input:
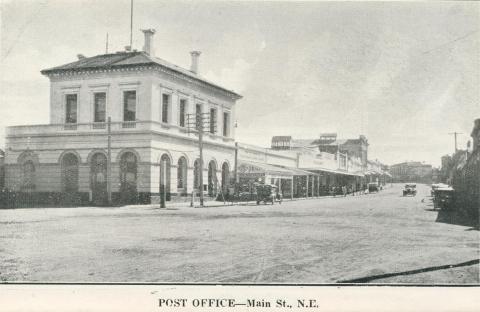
{"x": 148, "y": 45}
{"x": 195, "y": 56}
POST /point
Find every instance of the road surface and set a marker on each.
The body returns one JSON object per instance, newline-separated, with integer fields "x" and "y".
{"x": 376, "y": 238}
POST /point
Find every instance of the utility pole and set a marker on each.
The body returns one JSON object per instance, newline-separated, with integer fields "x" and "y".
{"x": 235, "y": 170}
{"x": 199, "y": 121}
{"x": 109, "y": 161}
{"x": 455, "y": 136}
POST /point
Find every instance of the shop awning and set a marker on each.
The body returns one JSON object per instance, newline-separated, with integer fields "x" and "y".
{"x": 250, "y": 168}
{"x": 301, "y": 172}
{"x": 373, "y": 172}
{"x": 357, "y": 174}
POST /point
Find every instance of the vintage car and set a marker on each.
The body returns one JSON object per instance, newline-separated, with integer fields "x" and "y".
{"x": 373, "y": 187}
{"x": 410, "y": 189}
{"x": 243, "y": 193}
{"x": 267, "y": 193}
{"x": 443, "y": 198}
{"x": 436, "y": 186}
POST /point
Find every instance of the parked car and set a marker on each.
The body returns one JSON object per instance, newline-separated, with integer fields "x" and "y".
{"x": 443, "y": 198}
{"x": 268, "y": 193}
{"x": 410, "y": 189}
{"x": 436, "y": 186}
{"x": 373, "y": 187}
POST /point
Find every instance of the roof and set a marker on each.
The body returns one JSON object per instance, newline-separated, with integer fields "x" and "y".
{"x": 301, "y": 142}
{"x": 128, "y": 59}
{"x": 274, "y": 169}
{"x": 281, "y": 137}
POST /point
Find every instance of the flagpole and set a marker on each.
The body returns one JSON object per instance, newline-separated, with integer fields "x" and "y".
{"x": 131, "y": 22}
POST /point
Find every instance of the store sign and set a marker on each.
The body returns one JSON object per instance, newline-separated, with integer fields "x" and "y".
{"x": 248, "y": 169}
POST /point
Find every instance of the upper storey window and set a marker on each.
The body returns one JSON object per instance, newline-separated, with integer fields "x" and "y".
{"x": 213, "y": 120}
{"x": 165, "y": 107}
{"x": 183, "y": 112}
{"x": 226, "y": 124}
{"x": 100, "y": 101}
{"x": 198, "y": 117}
{"x": 129, "y": 105}
{"x": 71, "y": 108}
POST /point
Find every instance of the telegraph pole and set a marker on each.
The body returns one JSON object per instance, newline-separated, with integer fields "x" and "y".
{"x": 235, "y": 172}
{"x": 196, "y": 121}
{"x": 455, "y": 136}
{"x": 199, "y": 119}
{"x": 109, "y": 162}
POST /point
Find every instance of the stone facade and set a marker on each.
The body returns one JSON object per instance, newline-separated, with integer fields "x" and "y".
{"x": 46, "y": 162}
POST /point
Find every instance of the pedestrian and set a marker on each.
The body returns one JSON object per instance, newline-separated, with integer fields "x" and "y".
{"x": 344, "y": 190}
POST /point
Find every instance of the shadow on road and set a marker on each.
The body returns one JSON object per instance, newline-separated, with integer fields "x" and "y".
{"x": 454, "y": 217}
{"x": 423, "y": 270}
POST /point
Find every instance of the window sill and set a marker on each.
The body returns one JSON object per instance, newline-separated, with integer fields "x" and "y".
{"x": 70, "y": 126}
{"x": 165, "y": 125}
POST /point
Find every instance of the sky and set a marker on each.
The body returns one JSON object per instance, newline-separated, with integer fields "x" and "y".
{"x": 405, "y": 74}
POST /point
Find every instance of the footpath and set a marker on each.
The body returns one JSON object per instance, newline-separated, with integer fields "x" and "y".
{"x": 214, "y": 203}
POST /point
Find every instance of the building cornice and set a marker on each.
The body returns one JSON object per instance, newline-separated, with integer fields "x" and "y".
{"x": 57, "y": 73}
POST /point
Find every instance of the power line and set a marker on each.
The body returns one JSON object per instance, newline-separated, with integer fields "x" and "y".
{"x": 452, "y": 41}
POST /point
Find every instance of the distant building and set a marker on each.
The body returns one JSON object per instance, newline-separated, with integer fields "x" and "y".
{"x": 413, "y": 171}
{"x": 328, "y": 143}
{"x": 337, "y": 161}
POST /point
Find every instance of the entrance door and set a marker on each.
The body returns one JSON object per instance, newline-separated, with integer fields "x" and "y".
{"x": 128, "y": 178}
{"x": 98, "y": 175}
{"x": 212, "y": 179}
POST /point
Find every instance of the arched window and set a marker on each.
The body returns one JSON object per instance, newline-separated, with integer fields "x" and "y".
{"x": 225, "y": 176}
{"x": 212, "y": 178}
{"x": 28, "y": 176}
{"x": 165, "y": 176}
{"x": 128, "y": 177}
{"x": 196, "y": 174}
{"x": 70, "y": 165}
{"x": 182, "y": 175}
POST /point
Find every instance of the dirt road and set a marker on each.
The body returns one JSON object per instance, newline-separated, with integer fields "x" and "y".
{"x": 379, "y": 238}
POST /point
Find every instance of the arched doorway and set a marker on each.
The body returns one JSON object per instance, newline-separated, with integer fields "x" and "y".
{"x": 28, "y": 184}
{"x": 212, "y": 179}
{"x": 197, "y": 171}
{"x": 165, "y": 177}
{"x": 98, "y": 178}
{"x": 70, "y": 165}
{"x": 182, "y": 175}
{"x": 128, "y": 178}
{"x": 225, "y": 177}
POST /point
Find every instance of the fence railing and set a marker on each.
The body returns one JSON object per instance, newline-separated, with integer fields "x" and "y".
{"x": 100, "y": 127}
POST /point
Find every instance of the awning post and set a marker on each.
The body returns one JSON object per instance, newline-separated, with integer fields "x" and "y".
{"x": 291, "y": 189}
